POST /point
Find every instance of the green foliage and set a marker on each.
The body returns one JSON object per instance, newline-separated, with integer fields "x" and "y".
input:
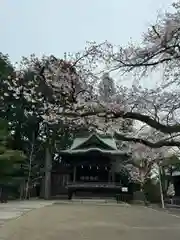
{"x": 170, "y": 165}
{"x": 152, "y": 191}
{"x": 172, "y": 160}
{"x": 10, "y": 160}
{"x": 6, "y": 69}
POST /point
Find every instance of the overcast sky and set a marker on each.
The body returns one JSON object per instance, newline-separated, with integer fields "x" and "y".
{"x": 56, "y": 26}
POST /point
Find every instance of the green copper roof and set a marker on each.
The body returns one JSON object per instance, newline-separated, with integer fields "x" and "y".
{"x": 80, "y": 146}
{"x": 77, "y": 142}
{"x": 109, "y": 142}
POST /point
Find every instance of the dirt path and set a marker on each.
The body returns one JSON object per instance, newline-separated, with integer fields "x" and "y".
{"x": 83, "y": 221}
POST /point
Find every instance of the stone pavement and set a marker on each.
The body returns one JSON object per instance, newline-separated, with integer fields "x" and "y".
{"x": 93, "y": 221}
{"x": 15, "y": 209}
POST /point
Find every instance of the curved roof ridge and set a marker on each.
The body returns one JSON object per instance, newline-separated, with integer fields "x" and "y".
{"x": 109, "y": 141}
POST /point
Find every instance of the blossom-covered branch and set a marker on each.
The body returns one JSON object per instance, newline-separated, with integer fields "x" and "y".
{"x": 111, "y": 114}
{"x": 157, "y": 144}
{"x": 159, "y": 49}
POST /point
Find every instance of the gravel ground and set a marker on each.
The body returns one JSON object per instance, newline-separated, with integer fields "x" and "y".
{"x": 92, "y": 221}
{"x": 15, "y": 209}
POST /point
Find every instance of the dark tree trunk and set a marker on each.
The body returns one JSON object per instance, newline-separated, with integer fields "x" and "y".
{"x": 4, "y": 194}
{"x": 47, "y": 179}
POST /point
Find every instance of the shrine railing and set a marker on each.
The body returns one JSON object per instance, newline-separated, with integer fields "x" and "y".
{"x": 111, "y": 189}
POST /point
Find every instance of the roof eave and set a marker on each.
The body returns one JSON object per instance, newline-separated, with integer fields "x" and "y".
{"x": 106, "y": 152}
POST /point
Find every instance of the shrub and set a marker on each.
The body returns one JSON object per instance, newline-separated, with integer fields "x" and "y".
{"x": 152, "y": 192}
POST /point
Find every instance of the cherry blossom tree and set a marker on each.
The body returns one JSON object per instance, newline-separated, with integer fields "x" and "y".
{"x": 65, "y": 91}
{"x": 157, "y": 108}
{"x": 144, "y": 161}
{"x": 43, "y": 90}
{"x": 145, "y": 165}
{"x": 36, "y": 93}
{"x": 171, "y": 191}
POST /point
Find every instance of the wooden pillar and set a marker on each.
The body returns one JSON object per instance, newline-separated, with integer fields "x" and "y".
{"x": 109, "y": 176}
{"x": 113, "y": 171}
{"x": 113, "y": 176}
{"x": 74, "y": 174}
{"x": 68, "y": 179}
{"x": 63, "y": 180}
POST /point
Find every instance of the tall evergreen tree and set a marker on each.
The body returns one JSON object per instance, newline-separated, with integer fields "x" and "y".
{"x": 10, "y": 160}
{"x": 106, "y": 88}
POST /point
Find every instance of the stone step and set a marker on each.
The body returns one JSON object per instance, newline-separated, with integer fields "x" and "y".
{"x": 90, "y": 202}
{"x": 93, "y": 200}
